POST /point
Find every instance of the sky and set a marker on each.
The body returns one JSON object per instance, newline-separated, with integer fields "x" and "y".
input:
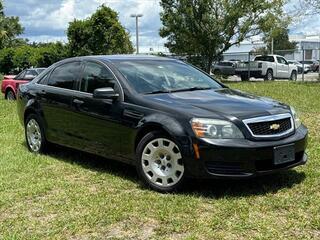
{"x": 47, "y": 20}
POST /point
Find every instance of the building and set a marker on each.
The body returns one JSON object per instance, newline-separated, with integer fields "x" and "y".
{"x": 307, "y": 44}
{"x": 241, "y": 52}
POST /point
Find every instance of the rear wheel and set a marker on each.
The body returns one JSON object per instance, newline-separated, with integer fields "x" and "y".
{"x": 160, "y": 164}
{"x": 269, "y": 75}
{"x": 34, "y": 133}
{"x": 10, "y": 95}
{"x": 244, "y": 77}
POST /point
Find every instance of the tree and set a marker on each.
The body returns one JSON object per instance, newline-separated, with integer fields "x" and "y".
{"x": 31, "y": 55}
{"x": 101, "y": 33}
{"x": 45, "y": 54}
{"x": 210, "y": 27}
{"x": 10, "y": 28}
{"x": 280, "y": 39}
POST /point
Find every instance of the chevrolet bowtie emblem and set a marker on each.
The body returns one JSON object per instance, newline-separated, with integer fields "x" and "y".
{"x": 275, "y": 126}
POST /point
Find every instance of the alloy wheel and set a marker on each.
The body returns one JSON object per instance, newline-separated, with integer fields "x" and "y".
{"x": 162, "y": 162}
{"x": 34, "y": 137}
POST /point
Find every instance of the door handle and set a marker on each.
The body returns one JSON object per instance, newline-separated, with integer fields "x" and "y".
{"x": 78, "y": 102}
{"x": 42, "y": 92}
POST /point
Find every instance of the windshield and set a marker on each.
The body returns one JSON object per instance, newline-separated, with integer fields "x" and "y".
{"x": 164, "y": 76}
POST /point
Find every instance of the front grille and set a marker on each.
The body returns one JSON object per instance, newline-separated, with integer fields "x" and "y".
{"x": 264, "y": 128}
{"x": 270, "y": 126}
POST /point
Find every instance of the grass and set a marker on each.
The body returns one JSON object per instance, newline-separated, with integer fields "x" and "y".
{"x": 72, "y": 195}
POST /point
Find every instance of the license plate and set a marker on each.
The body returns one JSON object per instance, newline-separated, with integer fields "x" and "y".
{"x": 283, "y": 154}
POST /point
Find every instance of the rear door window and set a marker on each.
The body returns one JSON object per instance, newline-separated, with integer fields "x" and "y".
{"x": 65, "y": 76}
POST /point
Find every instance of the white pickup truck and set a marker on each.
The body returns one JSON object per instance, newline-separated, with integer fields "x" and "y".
{"x": 268, "y": 67}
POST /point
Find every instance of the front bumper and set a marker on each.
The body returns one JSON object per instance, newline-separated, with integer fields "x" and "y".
{"x": 242, "y": 158}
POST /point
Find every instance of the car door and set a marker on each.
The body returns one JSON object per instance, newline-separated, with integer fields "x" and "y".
{"x": 283, "y": 68}
{"x": 97, "y": 122}
{"x": 55, "y": 95}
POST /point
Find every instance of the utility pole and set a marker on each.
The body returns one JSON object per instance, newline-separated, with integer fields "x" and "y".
{"x": 271, "y": 45}
{"x": 137, "y": 29}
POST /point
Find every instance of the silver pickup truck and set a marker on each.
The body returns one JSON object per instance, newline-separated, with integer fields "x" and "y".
{"x": 268, "y": 67}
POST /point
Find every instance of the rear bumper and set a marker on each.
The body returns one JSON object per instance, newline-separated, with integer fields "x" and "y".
{"x": 253, "y": 73}
{"x": 244, "y": 158}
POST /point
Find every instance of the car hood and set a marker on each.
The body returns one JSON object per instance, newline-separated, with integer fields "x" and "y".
{"x": 223, "y": 102}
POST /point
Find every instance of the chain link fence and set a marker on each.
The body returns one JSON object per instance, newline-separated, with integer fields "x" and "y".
{"x": 306, "y": 60}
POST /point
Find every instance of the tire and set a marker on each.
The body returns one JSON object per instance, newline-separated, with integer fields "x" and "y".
{"x": 34, "y": 134}
{"x": 217, "y": 72}
{"x": 293, "y": 76}
{"x": 244, "y": 78}
{"x": 269, "y": 75}
{"x": 10, "y": 96}
{"x": 159, "y": 162}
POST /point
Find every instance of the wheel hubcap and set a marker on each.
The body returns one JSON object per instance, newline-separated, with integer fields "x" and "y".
{"x": 34, "y": 137}
{"x": 162, "y": 162}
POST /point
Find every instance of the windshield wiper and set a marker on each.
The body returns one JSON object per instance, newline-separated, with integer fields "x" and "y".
{"x": 191, "y": 89}
{"x": 159, "y": 91}
{"x": 180, "y": 90}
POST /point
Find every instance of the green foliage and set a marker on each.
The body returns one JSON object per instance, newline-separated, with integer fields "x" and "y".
{"x": 36, "y": 55}
{"x": 280, "y": 38}
{"x": 210, "y": 27}
{"x": 9, "y": 28}
{"x": 102, "y": 33}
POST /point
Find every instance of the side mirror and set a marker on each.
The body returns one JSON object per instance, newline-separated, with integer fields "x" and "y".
{"x": 105, "y": 93}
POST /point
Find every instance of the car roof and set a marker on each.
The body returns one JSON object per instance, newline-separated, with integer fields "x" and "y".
{"x": 116, "y": 58}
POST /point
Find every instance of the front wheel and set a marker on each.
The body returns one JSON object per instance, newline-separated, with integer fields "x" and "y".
{"x": 10, "y": 95}
{"x": 293, "y": 76}
{"x": 269, "y": 75}
{"x": 160, "y": 164}
{"x": 34, "y": 133}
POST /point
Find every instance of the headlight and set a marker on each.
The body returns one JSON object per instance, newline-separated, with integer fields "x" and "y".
{"x": 215, "y": 128}
{"x": 296, "y": 118}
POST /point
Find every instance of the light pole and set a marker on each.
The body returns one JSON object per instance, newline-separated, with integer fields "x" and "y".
{"x": 137, "y": 29}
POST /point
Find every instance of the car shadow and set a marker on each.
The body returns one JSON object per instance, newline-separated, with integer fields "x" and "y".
{"x": 210, "y": 188}
{"x": 218, "y": 188}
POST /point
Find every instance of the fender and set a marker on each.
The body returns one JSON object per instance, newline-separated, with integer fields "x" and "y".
{"x": 170, "y": 125}
{"x": 9, "y": 87}
{"x": 33, "y": 106}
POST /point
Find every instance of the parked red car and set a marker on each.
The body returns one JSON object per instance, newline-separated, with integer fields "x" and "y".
{"x": 11, "y": 83}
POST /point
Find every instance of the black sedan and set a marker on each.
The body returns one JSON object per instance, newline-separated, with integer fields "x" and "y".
{"x": 164, "y": 116}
